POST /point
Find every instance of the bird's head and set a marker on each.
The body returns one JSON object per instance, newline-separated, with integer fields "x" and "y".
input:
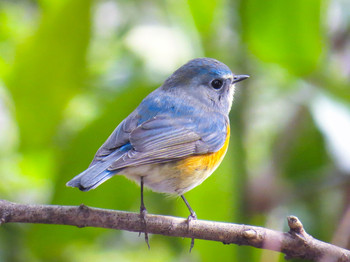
{"x": 205, "y": 80}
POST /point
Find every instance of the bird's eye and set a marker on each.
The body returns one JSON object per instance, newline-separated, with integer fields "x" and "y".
{"x": 216, "y": 83}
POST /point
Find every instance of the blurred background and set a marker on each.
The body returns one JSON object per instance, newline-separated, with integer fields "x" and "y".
{"x": 70, "y": 71}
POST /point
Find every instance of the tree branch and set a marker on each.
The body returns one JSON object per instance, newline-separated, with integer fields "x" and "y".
{"x": 294, "y": 244}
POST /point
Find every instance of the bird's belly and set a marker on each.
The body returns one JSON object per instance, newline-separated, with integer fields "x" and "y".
{"x": 168, "y": 177}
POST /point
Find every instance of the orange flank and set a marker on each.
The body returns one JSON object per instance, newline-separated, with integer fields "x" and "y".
{"x": 208, "y": 162}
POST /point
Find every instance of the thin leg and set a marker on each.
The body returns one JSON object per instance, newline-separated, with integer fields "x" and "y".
{"x": 191, "y": 217}
{"x": 143, "y": 213}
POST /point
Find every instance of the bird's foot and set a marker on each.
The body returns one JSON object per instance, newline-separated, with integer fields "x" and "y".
{"x": 190, "y": 218}
{"x": 143, "y": 213}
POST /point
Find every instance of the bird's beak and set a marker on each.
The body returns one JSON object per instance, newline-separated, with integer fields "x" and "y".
{"x": 239, "y": 78}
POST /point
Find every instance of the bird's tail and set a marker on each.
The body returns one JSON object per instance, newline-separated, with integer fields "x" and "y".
{"x": 95, "y": 174}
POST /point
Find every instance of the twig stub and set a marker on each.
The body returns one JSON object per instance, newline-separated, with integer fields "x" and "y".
{"x": 296, "y": 226}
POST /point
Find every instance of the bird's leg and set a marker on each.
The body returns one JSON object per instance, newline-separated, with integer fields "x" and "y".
{"x": 191, "y": 217}
{"x": 143, "y": 213}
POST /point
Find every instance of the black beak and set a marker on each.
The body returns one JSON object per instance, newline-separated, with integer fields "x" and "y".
{"x": 239, "y": 78}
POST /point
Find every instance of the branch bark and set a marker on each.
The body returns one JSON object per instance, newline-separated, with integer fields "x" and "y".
{"x": 294, "y": 244}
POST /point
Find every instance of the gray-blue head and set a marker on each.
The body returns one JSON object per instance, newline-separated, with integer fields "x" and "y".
{"x": 207, "y": 80}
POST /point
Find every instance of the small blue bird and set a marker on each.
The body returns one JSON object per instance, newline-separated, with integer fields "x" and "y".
{"x": 175, "y": 138}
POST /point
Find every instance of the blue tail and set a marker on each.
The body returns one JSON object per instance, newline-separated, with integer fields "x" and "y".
{"x": 95, "y": 174}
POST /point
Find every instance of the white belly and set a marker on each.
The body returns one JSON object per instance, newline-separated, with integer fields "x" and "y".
{"x": 165, "y": 178}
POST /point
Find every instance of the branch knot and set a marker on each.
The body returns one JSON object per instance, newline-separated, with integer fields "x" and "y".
{"x": 296, "y": 227}
{"x": 250, "y": 234}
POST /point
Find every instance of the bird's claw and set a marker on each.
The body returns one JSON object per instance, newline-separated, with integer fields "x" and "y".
{"x": 190, "y": 218}
{"x": 143, "y": 213}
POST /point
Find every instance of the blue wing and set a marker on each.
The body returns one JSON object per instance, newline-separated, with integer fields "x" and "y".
{"x": 163, "y": 139}
{"x": 158, "y": 131}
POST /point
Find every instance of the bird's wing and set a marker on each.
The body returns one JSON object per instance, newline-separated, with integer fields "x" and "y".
{"x": 118, "y": 140}
{"x": 163, "y": 139}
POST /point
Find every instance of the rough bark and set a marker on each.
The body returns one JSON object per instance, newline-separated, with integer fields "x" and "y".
{"x": 294, "y": 244}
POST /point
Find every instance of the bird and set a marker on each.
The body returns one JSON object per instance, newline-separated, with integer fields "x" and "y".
{"x": 174, "y": 139}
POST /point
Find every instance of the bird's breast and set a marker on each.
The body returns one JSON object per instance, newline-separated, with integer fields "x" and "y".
{"x": 196, "y": 169}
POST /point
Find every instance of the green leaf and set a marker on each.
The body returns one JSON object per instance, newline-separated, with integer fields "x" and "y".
{"x": 48, "y": 70}
{"x": 203, "y": 13}
{"x": 308, "y": 144}
{"x": 284, "y": 32}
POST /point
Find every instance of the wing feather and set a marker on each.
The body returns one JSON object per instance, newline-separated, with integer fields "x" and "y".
{"x": 162, "y": 140}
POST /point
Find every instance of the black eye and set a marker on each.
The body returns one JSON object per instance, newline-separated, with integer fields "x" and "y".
{"x": 216, "y": 83}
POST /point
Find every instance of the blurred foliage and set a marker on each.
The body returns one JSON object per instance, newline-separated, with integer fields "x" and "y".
{"x": 286, "y": 32}
{"x": 70, "y": 71}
